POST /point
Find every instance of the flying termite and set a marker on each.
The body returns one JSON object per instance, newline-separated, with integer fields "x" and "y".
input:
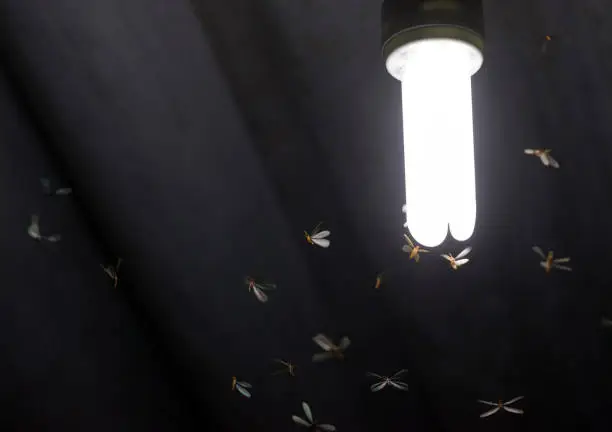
{"x": 545, "y": 157}
{"x": 317, "y": 237}
{"x": 412, "y": 249}
{"x": 330, "y": 349}
{"x": 459, "y": 260}
{"x": 501, "y": 405}
{"x": 550, "y": 262}
{"x": 259, "y": 288}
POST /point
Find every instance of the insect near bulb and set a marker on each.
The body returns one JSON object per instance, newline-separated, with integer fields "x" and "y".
{"x": 433, "y": 48}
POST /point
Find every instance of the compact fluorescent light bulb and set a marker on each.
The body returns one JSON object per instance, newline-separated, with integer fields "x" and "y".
{"x": 435, "y": 76}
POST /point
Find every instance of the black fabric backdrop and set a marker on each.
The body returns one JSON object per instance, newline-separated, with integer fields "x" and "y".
{"x": 202, "y": 138}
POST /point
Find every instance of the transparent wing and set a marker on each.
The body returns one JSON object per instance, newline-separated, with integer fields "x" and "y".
{"x": 409, "y": 241}
{"x": 538, "y": 250}
{"x": 424, "y": 250}
{"x": 487, "y": 402}
{"x": 516, "y": 399}
{"x": 321, "y": 234}
{"x": 399, "y": 385}
{"x": 33, "y": 229}
{"x": 284, "y": 363}
{"x": 488, "y": 413}
{"x": 553, "y": 163}
{"x": 417, "y": 258}
{"x": 372, "y": 374}
{"x": 322, "y": 356}
{"x": 544, "y": 158}
{"x": 266, "y": 286}
{"x": 323, "y": 341}
{"x": 543, "y": 264}
{"x": 560, "y": 267}
{"x": 514, "y": 410}
{"x": 307, "y": 411}
{"x": 54, "y": 238}
{"x": 300, "y": 421}
{"x": 378, "y": 386}
{"x": 63, "y": 191}
{"x": 460, "y": 262}
{"x": 261, "y": 296}
{"x": 447, "y": 257}
{"x": 244, "y": 392}
{"x": 324, "y": 243}
{"x": 407, "y": 248}
{"x": 344, "y": 343}
{"x": 464, "y": 252}
{"x": 399, "y": 373}
{"x": 561, "y": 260}
{"x": 529, "y": 151}
{"x": 327, "y": 427}
{"x": 244, "y": 384}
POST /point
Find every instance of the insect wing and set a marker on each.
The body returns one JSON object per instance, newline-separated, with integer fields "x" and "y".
{"x": 514, "y": 410}
{"x": 307, "y": 412}
{"x": 399, "y": 385}
{"x": 489, "y": 413}
{"x": 487, "y": 403}
{"x": 406, "y": 248}
{"x": 261, "y": 296}
{"x": 300, "y": 421}
{"x": 561, "y": 260}
{"x": 538, "y": 250}
{"x": 244, "y": 392}
{"x": 606, "y": 322}
{"x": 553, "y": 163}
{"x": 372, "y": 374}
{"x": 464, "y": 252}
{"x": 63, "y": 191}
{"x": 54, "y": 238}
{"x": 447, "y": 257}
{"x": 545, "y": 159}
{"x": 344, "y": 343}
{"x": 560, "y": 267}
{"x": 327, "y": 427}
{"x": 461, "y": 262}
{"x": 324, "y": 342}
{"x": 399, "y": 373}
{"x": 516, "y": 399}
{"x": 529, "y": 151}
{"x": 324, "y": 243}
{"x": 244, "y": 384}
{"x": 266, "y": 286}
{"x": 321, "y": 234}
{"x": 409, "y": 241}
{"x": 319, "y": 357}
{"x": 378, "y": 386}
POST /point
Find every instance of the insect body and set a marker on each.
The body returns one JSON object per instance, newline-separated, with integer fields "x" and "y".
{"x": 501, "y": 405}
{"x": 550, "y": 262}
{"x": 316, "y": 237}
{"x": 289, "y": 367}
{"x": 393, "y": 381}
{"x": 459, "y": 260}
{"x": 544, "y": 155}
{"x": 331, "y": 350}
{"x": 412, "y": 249}
{"x": 113, "y": 272}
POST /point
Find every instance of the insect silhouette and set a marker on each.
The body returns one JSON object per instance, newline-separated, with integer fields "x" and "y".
{"x": 331, "y": 350}
{"x": 379, "y": 281}
{"x": 289, "y": 367}
{"x": 46, "y": 187}
{"x": 317, "y": 237}
{"x": 242, "y": 387}
{"x": 459, "y": 260}
{"x": 113, "y": 272}
{"x": 412, "y": 249}
{"x": 547, "y": 40}
{"x": 549, "y": 262}
{"x": 392, "y": 381}
{"x": 259, "y": 288}
{"x": 34, "y": 232}
{"x": 310, "y": 422}
{"x": 501, "y": 405}
{"x": 545, "y": 157}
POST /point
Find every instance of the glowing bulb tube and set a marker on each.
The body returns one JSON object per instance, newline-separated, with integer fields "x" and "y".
{"x": 438, "y": 137}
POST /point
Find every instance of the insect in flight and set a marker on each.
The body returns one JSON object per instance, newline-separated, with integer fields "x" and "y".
{"x": 331, "y": 350}
{"x": 379, "y": 280}
{"x": 309, "y": 422}
{"x": 259, "y": 288}
{"x": 242, "y": 387}
{"x": 316, "y": 237}
{"x": 412, "y": 249}
{"x": 113, "y": 271}
{"x": 547, "y": 39}
{"x": 502, "y": 405}
{"x": 459, "y": 260}
{"x": 393, "y": 381}
{"x": 34, "y": 232}
{"x": 544, "y": 155}
{"x": 46, "y": 186}
{"x": 549, "y": 262}
{"x": 289, "y": 367}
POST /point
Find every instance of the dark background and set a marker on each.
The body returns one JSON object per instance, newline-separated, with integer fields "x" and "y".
{"x": 201, "y": 138}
